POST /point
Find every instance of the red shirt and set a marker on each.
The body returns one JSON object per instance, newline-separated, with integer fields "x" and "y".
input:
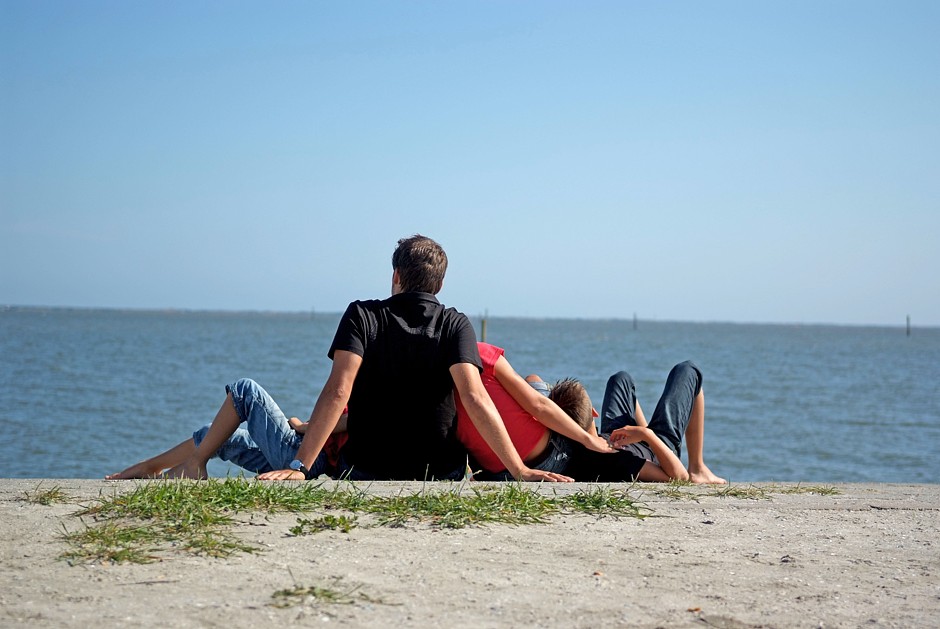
{"x": 524, "y": 430}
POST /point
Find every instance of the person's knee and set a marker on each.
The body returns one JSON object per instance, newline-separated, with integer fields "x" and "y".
{"x": 688, "y": 371}
{"x": 245, "y": 393}
{"x": 243, "y": 387}
{"x": 622, "y": 379}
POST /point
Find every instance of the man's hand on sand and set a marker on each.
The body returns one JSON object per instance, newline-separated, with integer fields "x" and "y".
{"x": 282, "y": 475}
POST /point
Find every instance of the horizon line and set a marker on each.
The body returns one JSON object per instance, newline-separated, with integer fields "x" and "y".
{"x": 313, "y": 311}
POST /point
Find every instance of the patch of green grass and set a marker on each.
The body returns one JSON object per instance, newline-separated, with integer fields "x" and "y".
{"x": 732, "y": 491}
{"x": 332, "y": 594}
{"x": 326, "y": 523}
{"x": 674, "y": 490}
{"x": 114, "y": 543}
{"x": 299, "y": 594}
{"x": 507, "y": 504}
{"x": 46, "y": 497}
{"x": 195, "y": 517}
{"x": 601, "y": 500}
{"x": 205, "y": 502}
{"x": 192, "y": 516}
{"x": 820, "y": 490}
{"x": 216, "y": 543}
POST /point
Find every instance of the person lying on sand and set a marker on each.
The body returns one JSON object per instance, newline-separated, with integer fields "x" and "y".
{"x": 647, "y": 452}
{"x": 540, "y": 431}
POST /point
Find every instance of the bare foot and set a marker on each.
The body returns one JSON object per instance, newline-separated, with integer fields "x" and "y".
{"x": 704, "y": 476}
{"x": 138, "y": 470}
{"x": 188, "y": 469}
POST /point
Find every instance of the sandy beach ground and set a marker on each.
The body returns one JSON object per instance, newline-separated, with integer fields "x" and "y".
{"x": 867, "y": 556}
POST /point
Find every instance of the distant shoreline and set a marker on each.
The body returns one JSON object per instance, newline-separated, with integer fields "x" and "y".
{"x": 476, "y": 317}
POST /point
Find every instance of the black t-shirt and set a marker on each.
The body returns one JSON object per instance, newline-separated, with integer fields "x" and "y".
{"x": 590, "y": 466}
{"x": 402, "y": 418}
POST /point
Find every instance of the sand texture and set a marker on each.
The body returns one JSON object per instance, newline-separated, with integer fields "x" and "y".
{"x": 868, "y": 556}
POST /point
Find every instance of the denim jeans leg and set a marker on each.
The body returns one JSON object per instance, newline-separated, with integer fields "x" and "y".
{"x": 542, "y": 387}
{"x": 559, "y": 455}
{"x": 268, "y": 426}
{"x": 671, "y": 417}
{"x": 239, "y": 449}
{"x": 619, "y": 407}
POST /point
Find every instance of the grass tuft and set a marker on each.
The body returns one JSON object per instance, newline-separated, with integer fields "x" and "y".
{"x": 299, "y": 594}
{"x": 195, "y": 517}
{"x": 332, "y": 594}
{"x": 600, "y": 501}
{"x": 674, "y": 489}
{"x": 326, "y": 523}
{"x": 112, "y": 542}
{"x": 820, "y": 490}
{"x": 732, "y": 491}
{"x": 507, "y": 504}
{"x": 46, "y": 497}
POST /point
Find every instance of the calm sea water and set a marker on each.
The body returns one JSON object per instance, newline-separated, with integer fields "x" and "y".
{"x": 87, "y": 392}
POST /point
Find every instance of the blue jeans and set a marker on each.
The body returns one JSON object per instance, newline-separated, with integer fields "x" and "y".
{"x": 264, "y": 441}
{"x": 671, "y": 417}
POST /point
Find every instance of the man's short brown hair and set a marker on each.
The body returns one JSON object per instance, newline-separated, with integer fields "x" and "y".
{"x": 571, "y": 396}
{"x": 421, "y": 264}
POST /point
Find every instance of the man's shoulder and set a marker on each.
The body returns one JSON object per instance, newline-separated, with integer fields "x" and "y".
{"x": 367, "y": 304}
{"x": 364, "y": 307}
{"x": 454, "y": 313}
{"x": 457, "y": 323}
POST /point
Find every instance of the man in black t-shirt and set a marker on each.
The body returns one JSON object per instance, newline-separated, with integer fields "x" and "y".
{"x": 396, "y": 363}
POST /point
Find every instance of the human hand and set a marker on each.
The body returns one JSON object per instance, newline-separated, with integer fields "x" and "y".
{"x": 538, "y": 476}
{"x": 599, "y": 444}
{"x": 282, "y": 475}
{"x": 298, "y": 426}
{"x": 627, "y": 435}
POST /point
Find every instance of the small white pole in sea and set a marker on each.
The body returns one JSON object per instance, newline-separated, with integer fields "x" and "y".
{"x": 908, "y": 325}
{"x": 486, "y": 313}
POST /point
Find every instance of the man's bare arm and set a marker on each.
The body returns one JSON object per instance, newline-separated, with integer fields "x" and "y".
{"x": 326, "y": 413}
{"x": 488, "y": 423}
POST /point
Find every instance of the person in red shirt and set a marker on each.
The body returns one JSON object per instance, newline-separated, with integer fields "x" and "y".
{"x": 540, "y": 431}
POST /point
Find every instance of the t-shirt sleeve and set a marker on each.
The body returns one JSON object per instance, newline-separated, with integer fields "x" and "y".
{"x": 463, "y": 342}
{"x": 489, "y": 354}
{"x": 589, "y": 466}
{"x": 350, "y": 333}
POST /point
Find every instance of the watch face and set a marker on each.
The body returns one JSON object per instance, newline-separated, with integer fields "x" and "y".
{"x": 296, "y": 465}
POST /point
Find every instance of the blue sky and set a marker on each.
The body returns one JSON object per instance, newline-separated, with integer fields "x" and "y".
{"x": 706, "y": 161}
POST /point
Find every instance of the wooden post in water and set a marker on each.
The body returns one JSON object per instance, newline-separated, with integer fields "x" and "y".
{"x": 483, "y": 327}
{"x": 634, "y": 321}
{"x": 908, "y": 325}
